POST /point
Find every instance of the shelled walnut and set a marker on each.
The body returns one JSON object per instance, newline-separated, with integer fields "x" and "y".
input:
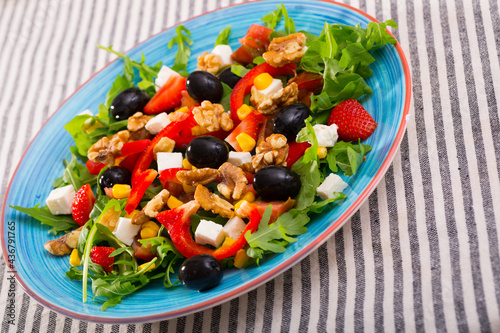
{"x": 197, "y": 176}
{"x": 212, "y": 117}
{"x": 209, "y": 62}
{"x": 272, "y": 151}
{"x": 283, "y": 50}
{"x": 233, "y": 181}
{"x": 211, "y": 201}
{"x": 106, "y": 149}
{"x": 137, "y": 121}
{"x": 270, "y": 105}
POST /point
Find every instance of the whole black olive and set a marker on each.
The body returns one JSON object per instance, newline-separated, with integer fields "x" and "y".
{"x": 228, "y": 77}
{"x": 114, "y": 175}
{"x": 204, "y": 86}
{"x": 207, "y": 152}
{"x": 201, "y": 272}
{"x": 276, "y": 183}
{"x": 128, "y": 102}
{"x": 291, "y": 120}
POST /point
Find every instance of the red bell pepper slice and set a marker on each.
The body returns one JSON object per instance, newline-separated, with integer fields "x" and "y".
{"x": 295, "y": 151}
{"x": 134, "y": 147}
{"x": 139, "y": 187}
{"x": 168, "y": 97}
{"x": 129, "y": 161}
{"x": 249, "y": 126}
{"x": 244, "y": 86}
{"x": 169, "y": 175}
{"x": 94, "y": 167}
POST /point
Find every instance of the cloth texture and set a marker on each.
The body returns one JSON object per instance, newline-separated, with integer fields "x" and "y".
{"x": 421, "y": 254}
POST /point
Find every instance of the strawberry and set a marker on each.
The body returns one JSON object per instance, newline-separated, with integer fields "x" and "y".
{"x": 83, "y": 202}
{"x": 100, "y": 255}
{"x": 353, "y": 121}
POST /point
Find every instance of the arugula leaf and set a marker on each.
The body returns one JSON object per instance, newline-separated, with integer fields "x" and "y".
{"x": 346, "y": 156}
{"x": 57, "y": 223}
{"x": 82, "y": 139}
{"x": 273, "y": 18}
{"x": 377, "y": 36}
{"x": 223, "y": 38}
{"x": 289, "y": 24}
{"x": 116, "y": 290}
{"x": 239, "y": 70}
{"x": 318, "y": 207}
{"x": 310, "y": 178}
{"x": 226, "y": 97}
{"x": 275, "y": 236}
{"x": 183, "y": 52}
{"x": 259, "y": 60}
{"x": 76, "y": 174}
{"x": 307, "y": 134}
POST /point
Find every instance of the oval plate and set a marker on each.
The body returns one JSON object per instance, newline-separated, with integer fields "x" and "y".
{"x": 42, "y": 275}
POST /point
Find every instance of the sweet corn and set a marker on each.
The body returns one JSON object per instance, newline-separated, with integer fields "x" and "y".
{"x": 183, "y": 109}
{"x": 246, "y": 142}
{"x": 150, "y": 224}
{"x": 322, "y": 152}
{"x": 74, "y": 258}
{"x": 263, "y": 81}
{"x": 186, "y": 164}
{"x": 238, "y": 204}
{"x": 173, "y": 202}
{"x": 228, "y": 241}
{"x": 131, "y": 215}
{"x": 188, "y": 188}
{"x": 148, "y": 233}
{"x": 198, "y": 130}
{"x": 249, "y": 196}
{"x": 244, "y": 111}
{"x": 241, "y": 258}
{"x": 144, "y": 265}
{"x": 121, "y": 191}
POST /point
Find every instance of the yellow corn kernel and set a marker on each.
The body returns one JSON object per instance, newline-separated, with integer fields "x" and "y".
{"x": 263, "y": 81}
{"x": 131, "y": 215}
{"x": 322, "y": 152}
{"x": 183, "y": 109}
{"x": 151, "y": 225}
{"x": 188, "y": 188}
{"x": 228, "y": 241}
{"x": 144, "y": 265}
{"x": 148, "y": 233}
{"x": 238, "y": 204}
{"x": 241, "y": 258}
{"x": 173, "y": 202}
{"x": 198, "y": 130}
{"x": 246, "y": 142}
{"x": 244, "y": 111}
{"x": 186, "y": 164}
{"x": 249, "y": 196}
{"x": 121, "y": 191}
{"x": 74, "y": 258}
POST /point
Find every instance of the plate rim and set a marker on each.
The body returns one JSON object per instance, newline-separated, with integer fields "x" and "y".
{"x": 258, "y": 281}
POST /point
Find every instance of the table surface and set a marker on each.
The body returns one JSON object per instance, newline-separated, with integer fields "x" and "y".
{"x": 422, "y": 253}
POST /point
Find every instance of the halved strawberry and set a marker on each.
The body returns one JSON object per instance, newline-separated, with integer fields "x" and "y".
{"x": 353, "y": 121}
{"x": 249, "y": 125}
{"x": 100, "y": 255}
{"x": 83, "y": 202}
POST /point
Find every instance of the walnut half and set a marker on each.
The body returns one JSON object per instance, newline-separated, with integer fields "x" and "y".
{"x": 197, "y": 176}
{"x": 106, "y": 149}
{"x": 233, "y": 181}
{"x": 212, "y": 202}
{"x": 272, "y": 151}
{"x": 212, "y": 117}
{"x": 270, "y": 105}
{"x": 284, "y": 50}
{"x": 209, "y": 62}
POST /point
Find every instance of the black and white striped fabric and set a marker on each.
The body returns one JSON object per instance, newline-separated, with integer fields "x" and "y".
{"x": 422, "y": 253}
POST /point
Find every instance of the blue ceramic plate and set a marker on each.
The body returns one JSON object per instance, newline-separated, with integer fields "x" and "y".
{"x": 42, "y": 275}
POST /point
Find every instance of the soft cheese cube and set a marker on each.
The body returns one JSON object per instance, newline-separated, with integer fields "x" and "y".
{"x": 156, "y": 124}
{"x": 274, "y": 87}
{"x": 164, "y": 75}
{"x": 60, "y": 200}
{"x": 327, "y": 135}
{"x": 234, "y": 227}
{"x": 224, "y": 52}
{"x": 168, "y": 161}
{"x": 332, "y": 183}
{"x": 209, "y": 232}
{"x": 126, "y": 231}
{"x": 239, "y": 158}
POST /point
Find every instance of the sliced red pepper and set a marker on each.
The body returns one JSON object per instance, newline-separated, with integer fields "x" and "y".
{"x": 249, "y": 125}
{"x": 168, "y": 97}
{"x": 244, "y": 86}
{"x": 139, "y": 187}
{"x": 94, "y": 167}
{"x": 295, "y": 151}
{"x": 308, "y": 82}
{"x": 129, "y": 161}
{"x": 134, "y": 147}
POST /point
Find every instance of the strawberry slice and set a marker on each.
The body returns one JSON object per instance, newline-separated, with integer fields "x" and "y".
{"x": 100, "y": 255}
{"x": 353, "y": 121}
{"x": 83, "y": 202}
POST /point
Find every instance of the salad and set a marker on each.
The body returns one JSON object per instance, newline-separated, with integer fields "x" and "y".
{"x": 179, "y": 176}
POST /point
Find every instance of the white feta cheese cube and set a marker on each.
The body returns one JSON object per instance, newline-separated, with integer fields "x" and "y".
{"x": 209, "y": 232}
{"x": 126, "y": 231}
{"x": 327, "y": 135}
{"x": 234, "y": 227}
{"x": 86, "y": 113}
{"x": 164, "y": 75}
{"x": 168, "y": 160}
{"x": 156, "y": 124}
{"x": 332, "y": 183}
{"x": 60, "y": 200}
{"x": 274, "y": 87}
{"x": 239, "y": 158}
{"x": 224, "y": 52}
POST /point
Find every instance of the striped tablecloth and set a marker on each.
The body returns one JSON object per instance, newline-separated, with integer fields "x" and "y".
{"x": 422, "y": 253}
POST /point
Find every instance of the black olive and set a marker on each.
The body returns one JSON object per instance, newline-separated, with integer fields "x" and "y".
{"x": 201, "y": 272}
{"x": 207, "y": 152}
{"x": 128, "y": 102}
{"x": 228, "y": 77}
{"x": 204, "y": 86}
{"x": 276, "y": 183}
{"x": 291, "y": 120}
{"x": 114, "y": 175}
